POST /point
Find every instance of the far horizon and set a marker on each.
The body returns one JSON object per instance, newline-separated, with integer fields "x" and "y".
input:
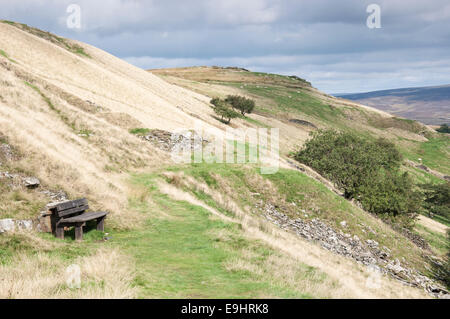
{"x": 390, "y": 89}
{"x": 345, "y": 50}
{"x": 337, "y": 94}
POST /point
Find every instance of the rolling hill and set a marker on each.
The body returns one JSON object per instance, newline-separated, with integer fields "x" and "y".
{"x": 429, "y": 105}
{"x": 88, "y": 124}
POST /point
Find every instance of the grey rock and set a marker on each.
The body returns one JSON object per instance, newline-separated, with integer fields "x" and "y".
{"x": 176, "y": 142}
{"x": 10, "y": 225}
{"x": 372, "y": 243}
{"x": 6, "y": 225}
{"x": 24, "y": 224}
{"x": 31, "y": 182}
{"x": 367, "y": 253}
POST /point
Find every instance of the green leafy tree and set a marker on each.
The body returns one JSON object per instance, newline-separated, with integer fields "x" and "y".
{"x": 224, "y": 110}
{"x": 215, "y": 101}
{"x": 437, "y": 199}
{"x": 241, "y": 103}
{"x": 390, "y": 193}
{"x": 368, "y": 171}
{"x": 347, "y": 159}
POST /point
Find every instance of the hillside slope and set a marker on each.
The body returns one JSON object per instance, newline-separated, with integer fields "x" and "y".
{"x": 296, "y": 108}
{"x": 74, "y": 111}
{"x": 67, "y": 114}
{"x": 430, "y": 105}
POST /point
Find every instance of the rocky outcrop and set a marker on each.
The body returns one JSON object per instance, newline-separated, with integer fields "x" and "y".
{"x": 367, "y": 252}
{"x": 168, "y": 141}
{"x": 10, "y": 225}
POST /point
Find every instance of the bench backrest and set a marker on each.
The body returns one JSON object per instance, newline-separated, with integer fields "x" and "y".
{"x": 73, "y": 207}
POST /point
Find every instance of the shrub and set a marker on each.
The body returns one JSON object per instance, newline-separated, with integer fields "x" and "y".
{"x": 443, "y": 129}
{"x": 363, "y": 169}
{"x": 347, "y": 159}
{"x": 241, "y": 103}
{"x": 437, "y": 199}
{"x": 224, "y": 110}
{"x": 391, "y": 193}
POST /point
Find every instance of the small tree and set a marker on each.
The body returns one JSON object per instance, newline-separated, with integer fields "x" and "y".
{"x": 215, "y": 101}
{"x": 224, "y": 110}
{"x": 366, "y": 170}
{"x": 241, "y": 103}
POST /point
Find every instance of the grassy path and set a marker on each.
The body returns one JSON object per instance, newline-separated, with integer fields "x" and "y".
{"x": 187, "y": 253}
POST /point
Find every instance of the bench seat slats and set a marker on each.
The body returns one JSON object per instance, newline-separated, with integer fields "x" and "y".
{"x": 72, "y": 211}
{"x": 71, "y": 204}
{"x": 83, "y": 217}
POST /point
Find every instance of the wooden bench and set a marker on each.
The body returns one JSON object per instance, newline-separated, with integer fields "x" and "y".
{"x": 73, "y": 213}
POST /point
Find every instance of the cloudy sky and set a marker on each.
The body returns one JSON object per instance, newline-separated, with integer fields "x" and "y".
{"x": 326, "y": 42}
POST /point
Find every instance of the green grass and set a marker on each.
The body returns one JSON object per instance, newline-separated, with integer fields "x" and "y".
{"x": 298, "y": 195}
{"x": 435, "y": 153}
{"x": 421, "y": 177}
{"x": 185, "y": 253}
{"x": 396, "y": 122}
{"x": 440, "y": 219}
{"x": 277, "y": 78}
{"x": 140, "y": 131}
{"x": 288, "y": 99}
{"x": 184, "y": 256}
{"x": 255, "y": 122}
{"x": 4, "y": 54}
{"x": 437, "y": 241}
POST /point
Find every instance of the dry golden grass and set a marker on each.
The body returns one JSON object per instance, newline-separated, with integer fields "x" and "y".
{"x": 282, "y": 269}
{"x": 105, "y": 274}
{"x": 81, "y": 147}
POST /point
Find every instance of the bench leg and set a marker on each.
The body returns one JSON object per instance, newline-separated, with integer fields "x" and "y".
{"x": 101, "y": 223}
{"x": 53, "y": 221}
{"x": 59, "y": 232}
{"x": 79, "y": 231}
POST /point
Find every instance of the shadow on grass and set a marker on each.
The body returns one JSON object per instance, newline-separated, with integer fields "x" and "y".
{"x": 90, "y": 232}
